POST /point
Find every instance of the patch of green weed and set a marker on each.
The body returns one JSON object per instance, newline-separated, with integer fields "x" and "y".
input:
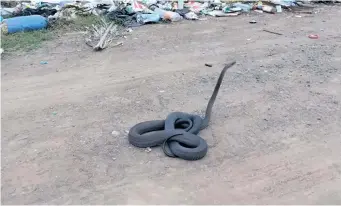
{"x": 80, "y": 23}
{"x": 25, "y": 41}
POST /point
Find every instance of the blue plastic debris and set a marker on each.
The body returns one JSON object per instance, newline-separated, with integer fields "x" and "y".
{"x": 147, "y": 18}
{"x": 244, "y": 7}
{"x": 25, "y": 23}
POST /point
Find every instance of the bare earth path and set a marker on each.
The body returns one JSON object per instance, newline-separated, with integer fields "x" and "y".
{"x": 275, "y": 130}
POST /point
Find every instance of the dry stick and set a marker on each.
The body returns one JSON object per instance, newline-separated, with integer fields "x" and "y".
{"x": 272, "y": 32}
{"x": 88, "y": 42}
{"x": 100, "y": 44}
{"x": 304, "y": 12}
{"x": 117, "y": 44}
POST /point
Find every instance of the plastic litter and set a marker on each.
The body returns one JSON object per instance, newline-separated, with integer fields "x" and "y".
{"x": 285, "y": 3}
{"x": 182, "y": 12}
{"x": 259, "y": 5}
{"x": 44, "y": 10}
{"x": 196, "y": 7}
{"x": 147, "y": 18}
{"x": 279, "y": 8}
{"x": 235, "y": 9}
{"x": 24, "y": 23}
{"x": 166, "y": 6}
{"x": 8, "y": 11}
{"x": 174, "y": 6}
{"x": 228, "y": 9}
{"x": 218, "y": 13}
{"x": 244, "y": 7}
{"x": 132, "y": 13}
{"x": 268, "y": 9}
{"x": 149, "y": 2}
{"x": 313, "y": 36}
{"x": 168, "y": 15}
{"x": 137, "y": 7}
{"x": 180, "y": 4}
{"x": 191, "y": 16}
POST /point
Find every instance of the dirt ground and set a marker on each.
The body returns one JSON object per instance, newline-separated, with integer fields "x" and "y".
{"x": 274, "y": 136}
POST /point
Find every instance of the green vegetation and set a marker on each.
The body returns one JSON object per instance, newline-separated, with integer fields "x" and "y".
{"x": 79, "y": 24}
{"x": 25, "y": 41}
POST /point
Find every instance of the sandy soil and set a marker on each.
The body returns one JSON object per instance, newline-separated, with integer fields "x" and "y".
{"x": 274, "y": 136}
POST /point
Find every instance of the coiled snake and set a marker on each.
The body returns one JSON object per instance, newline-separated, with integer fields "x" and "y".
{"x": 178, "y": 132}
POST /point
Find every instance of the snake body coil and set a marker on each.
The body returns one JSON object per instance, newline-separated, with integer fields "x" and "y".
{"x": 178, "y": 133}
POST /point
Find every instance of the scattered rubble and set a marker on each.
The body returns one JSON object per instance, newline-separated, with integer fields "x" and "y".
{"x": 115, "y": 133}
{"x": 148, "y": 149}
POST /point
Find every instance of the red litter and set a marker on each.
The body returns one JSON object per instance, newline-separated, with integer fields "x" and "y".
{"x": 313, "y": 36}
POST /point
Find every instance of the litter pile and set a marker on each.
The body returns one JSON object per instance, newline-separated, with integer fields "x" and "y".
{"x": 37, "y": 14}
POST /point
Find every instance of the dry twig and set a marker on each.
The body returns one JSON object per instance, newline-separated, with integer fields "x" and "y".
{"x": 104, "y": 34}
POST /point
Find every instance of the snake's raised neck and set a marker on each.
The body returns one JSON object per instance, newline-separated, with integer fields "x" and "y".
{"x": 214, "y": 95}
